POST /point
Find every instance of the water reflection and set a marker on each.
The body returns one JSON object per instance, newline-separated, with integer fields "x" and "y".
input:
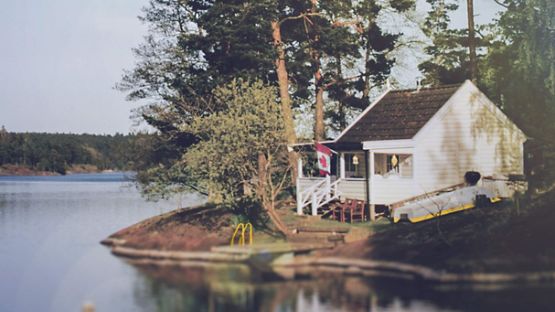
{"x": 51, "y": 260}
{"x": 237, "y": 288}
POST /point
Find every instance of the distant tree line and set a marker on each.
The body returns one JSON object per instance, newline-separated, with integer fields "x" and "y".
{"x": 58, "y": 152}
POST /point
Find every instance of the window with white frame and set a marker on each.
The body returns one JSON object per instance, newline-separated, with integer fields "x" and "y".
{"x": 393, "y": 165}
{"x": 355, "y": 166}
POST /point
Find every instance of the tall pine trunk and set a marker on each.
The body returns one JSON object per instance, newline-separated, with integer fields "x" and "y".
{"x": 472, "y": 41}
{"x": 319, "y": 126}
{"x": 283, "y": 82}
{"x": 367, "y": 69}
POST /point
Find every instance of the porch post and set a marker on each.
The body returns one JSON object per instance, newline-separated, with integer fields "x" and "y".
{"x": 342, "y": 165}
{"x": 314, "y": 204}
{"x": 299, "y": 176}
{"x": 371, "y": 207}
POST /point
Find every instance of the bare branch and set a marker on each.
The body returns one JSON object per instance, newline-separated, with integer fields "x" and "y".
{"x": 337, "y": 81}
{"x": 356, "y": 24}
{"x": 303, "y": 15}
{"x": 501, "y": 4}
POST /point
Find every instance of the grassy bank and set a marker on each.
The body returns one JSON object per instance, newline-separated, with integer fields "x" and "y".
{"x": 190, "y": 229}
{"x": 502, "y": 238}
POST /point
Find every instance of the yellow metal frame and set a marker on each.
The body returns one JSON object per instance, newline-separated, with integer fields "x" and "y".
{"x": 243, "y": 227}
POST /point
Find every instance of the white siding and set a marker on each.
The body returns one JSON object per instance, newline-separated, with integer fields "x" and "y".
{"x": 468, "y": 133}
{"x": 353, "y": 189}
{"x": 387, "y": 190}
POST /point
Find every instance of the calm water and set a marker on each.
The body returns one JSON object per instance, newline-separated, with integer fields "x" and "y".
{"x": 50, "y": 260}
{"x": 50, "y": 228}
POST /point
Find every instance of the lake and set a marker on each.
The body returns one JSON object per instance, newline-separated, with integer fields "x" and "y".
{"x": 51, "y": 260}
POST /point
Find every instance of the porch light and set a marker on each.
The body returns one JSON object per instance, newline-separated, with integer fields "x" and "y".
{"x": 355, "y": 160}
{"x": 394, "y": 161}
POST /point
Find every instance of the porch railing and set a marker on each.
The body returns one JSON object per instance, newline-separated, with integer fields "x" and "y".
{"x": 317, "y": 195}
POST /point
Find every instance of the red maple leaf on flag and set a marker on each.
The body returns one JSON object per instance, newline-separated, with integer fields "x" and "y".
{"x": 323, "y": 162}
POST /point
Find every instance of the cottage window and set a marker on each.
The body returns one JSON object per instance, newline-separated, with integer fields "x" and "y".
{"x": 355, "y": 166}
{"x": 393, "y": 165}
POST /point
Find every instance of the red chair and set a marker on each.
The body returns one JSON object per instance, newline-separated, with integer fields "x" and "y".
{"x": 346, "y": 207}
{"x": 357, "y": 211}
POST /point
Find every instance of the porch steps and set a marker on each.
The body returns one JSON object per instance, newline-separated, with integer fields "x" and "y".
{"x": 307, "y": 234}
{"x": 327, "y": 210}
{"x": 317, "y": 195}
{"x": 319, "y": 238}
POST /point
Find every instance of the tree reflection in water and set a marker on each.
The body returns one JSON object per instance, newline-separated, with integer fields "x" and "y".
{"x": 237, "y": 288}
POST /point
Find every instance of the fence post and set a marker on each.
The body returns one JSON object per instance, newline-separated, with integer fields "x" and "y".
{"x": 328, "y": 187}
{"x": 299, "y": 199}
{"x": 299, "y": 191}
{"x": 314, "y": 204}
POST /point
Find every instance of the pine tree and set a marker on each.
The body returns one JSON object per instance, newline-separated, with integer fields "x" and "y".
{"x": 520, "y": 70}
{"x": 449, "y": 58}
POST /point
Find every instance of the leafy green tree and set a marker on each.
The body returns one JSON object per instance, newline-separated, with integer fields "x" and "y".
{"x": 192, "y": 47}
{"x": 241, "y": 152}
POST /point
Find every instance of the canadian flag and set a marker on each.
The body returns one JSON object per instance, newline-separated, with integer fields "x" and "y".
{"x": 323, "y": 154}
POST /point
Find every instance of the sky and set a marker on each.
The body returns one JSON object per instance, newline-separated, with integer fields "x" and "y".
{"x": 60, "y": 60}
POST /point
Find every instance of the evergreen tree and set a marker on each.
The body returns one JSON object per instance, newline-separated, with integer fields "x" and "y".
{"x": 302, "y": 46}
{"x": 449, "y": 57}
{"x": 520, "y": 68}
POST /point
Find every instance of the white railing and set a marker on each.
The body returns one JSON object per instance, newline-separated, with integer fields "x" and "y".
{"x": 317, "y": 195}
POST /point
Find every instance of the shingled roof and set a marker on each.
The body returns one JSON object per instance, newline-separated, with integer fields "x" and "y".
{"x": 398, "y": 115}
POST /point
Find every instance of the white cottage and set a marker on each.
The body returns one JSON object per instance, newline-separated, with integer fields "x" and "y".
{"x": 410, "y": 142}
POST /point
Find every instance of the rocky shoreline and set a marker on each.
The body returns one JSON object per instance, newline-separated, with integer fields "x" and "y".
{"x": 14, "y": 170}
{"x": 313, "y": 265}
{"x": 194, "y": 241}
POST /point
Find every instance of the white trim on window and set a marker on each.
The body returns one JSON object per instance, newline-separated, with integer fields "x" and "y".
{"x": 388, "y": 144}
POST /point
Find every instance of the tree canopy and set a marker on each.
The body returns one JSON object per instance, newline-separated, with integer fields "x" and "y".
{"x": 310, "y": 49}
{"x": 205, "y": 64}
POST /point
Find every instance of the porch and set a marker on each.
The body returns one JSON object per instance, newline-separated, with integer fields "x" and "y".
{"x": 377, "y": 176}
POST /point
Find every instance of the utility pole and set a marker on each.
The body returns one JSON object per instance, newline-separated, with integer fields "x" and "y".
{"x": 472, "y": 41}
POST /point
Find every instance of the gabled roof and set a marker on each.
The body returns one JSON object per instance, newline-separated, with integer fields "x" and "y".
{"x": 398, "y": 114}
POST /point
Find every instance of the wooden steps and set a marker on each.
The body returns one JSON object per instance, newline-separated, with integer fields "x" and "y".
{"x": 322, "y": 235}
{"x": 329, "y": 230}
{"x": 325, "y": 211}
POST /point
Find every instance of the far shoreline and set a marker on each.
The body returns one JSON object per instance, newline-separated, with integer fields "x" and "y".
{"x": 24, "y": 171}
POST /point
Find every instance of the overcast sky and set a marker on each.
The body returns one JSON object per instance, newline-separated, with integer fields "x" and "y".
{"x": 60, "y": 59}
